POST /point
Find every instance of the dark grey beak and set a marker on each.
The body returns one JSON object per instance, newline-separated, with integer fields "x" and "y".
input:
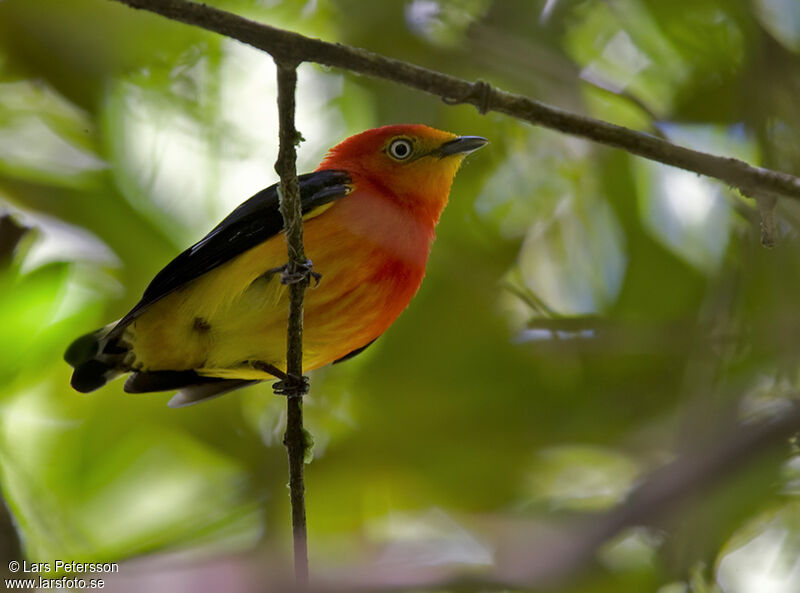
{"x": 461, "y": 145}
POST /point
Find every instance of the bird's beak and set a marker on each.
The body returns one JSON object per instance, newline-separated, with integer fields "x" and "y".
{"x": 461, "y": 145}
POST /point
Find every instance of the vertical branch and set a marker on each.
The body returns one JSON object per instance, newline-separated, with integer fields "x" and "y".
{"x": 296, "y": 275}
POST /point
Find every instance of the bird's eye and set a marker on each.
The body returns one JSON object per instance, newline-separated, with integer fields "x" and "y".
{"x": 400, "y": 149}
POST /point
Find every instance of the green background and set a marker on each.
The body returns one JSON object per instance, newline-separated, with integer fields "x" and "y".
{"x": 586, "y": 314}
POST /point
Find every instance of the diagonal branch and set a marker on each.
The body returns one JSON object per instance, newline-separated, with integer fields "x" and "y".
{"x": 296, "y": 276}
{"x": 282, "y": 44}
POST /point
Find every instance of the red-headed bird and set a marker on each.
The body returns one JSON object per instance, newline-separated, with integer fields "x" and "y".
{"x": 210, "y": 319}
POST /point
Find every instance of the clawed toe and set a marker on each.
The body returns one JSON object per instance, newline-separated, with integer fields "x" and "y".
{"x": 291, "y": 386}
{"x": 296, "y": 273}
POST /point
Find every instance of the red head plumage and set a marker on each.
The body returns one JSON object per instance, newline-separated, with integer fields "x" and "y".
{"x": 413, "y": 163}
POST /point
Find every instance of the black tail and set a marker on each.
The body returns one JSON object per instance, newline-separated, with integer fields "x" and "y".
{"x": 93, "y": 363}
{"x": 194, "y": 388}
{"x": 97, "y": 360}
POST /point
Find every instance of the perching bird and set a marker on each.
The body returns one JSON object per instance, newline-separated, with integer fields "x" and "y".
{"x": 213, "y": 316}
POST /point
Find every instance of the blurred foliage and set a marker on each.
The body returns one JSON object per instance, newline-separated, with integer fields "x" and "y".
{"x": 585, "y": 315}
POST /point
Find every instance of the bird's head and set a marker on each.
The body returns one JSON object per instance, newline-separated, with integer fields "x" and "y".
{"x": 413, "y": 162}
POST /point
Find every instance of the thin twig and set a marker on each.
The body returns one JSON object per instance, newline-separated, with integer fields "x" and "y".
{"x": 283, "y": 44}
{"x": 294, "y": 387}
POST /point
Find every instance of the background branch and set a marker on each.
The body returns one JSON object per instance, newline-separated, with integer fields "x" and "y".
{"x": 529, "y": 557}
{"x": 11, "y": 233}
{"x": 297, "y": 269}
{"x": 283, "y": 44}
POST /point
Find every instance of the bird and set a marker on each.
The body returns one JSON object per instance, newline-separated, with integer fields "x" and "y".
{"x": 214, "y": 319}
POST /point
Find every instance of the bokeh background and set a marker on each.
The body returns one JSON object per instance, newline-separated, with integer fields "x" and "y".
{"x": 586, "y": 314}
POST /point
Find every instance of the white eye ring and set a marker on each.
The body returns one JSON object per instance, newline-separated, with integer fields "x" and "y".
{"x": 400, "y": 149}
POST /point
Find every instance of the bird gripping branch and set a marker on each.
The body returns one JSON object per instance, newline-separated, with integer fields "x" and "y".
{"x": 213, "y": 320}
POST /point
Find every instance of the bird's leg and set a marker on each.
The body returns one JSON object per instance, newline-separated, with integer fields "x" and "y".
{"x": 269, "y": 368}
{"x": 288, "y": 385}
{"x": 298, "y": 273}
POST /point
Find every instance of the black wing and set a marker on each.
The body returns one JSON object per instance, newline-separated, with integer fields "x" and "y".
{"x": 355, "y": 352}
{"x": 253, "y": 222}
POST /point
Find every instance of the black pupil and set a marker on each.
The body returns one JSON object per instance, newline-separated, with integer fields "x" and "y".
{"x": 400, "y": 149}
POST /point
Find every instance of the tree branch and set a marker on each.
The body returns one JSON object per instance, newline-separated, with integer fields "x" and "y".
{"x": 283, "y": 45}
{"x": 296, "y": 276}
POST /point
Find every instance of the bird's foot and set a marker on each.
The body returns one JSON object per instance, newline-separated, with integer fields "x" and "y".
{"x": 291, "y": 386}
{"x": 294, "y": 273}
{"x": 288, "y": 385}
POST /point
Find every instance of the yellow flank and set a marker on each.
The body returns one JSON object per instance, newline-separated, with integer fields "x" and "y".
{"x": 182, "y": 330}
{"x": 235, "y": 314}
